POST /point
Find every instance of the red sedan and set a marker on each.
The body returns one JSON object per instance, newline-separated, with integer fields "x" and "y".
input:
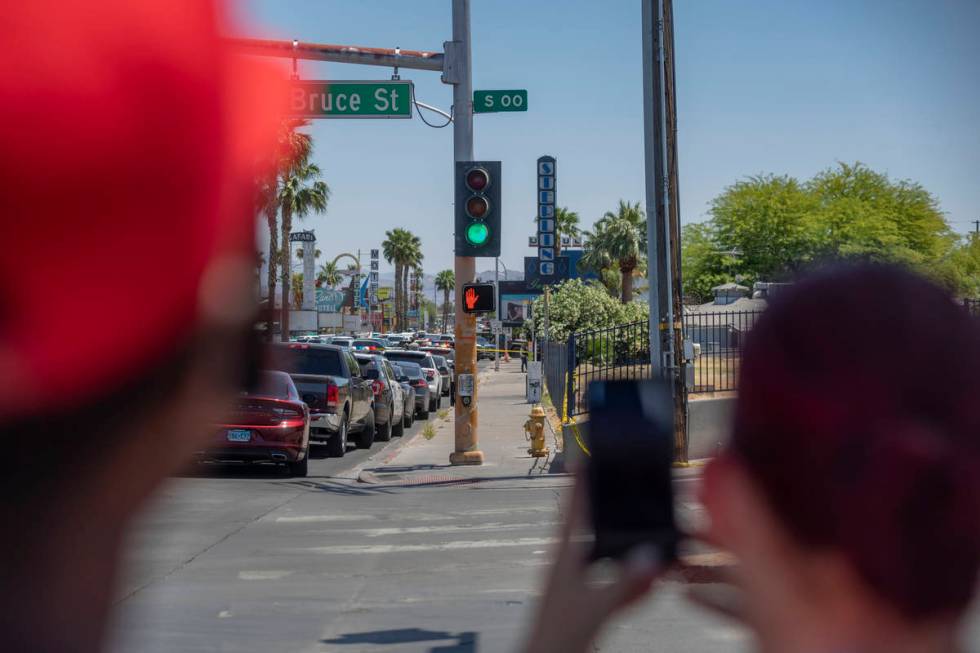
{"x": 270, "y": 424}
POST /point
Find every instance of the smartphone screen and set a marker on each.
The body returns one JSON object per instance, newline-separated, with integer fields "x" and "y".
{"x": 630, "y": 438}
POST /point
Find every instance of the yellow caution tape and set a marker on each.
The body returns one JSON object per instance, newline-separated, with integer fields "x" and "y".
{"x": 571, "y": 423}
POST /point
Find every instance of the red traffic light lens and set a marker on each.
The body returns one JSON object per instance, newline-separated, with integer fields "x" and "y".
{"x": 477, "y": 180}
{"x": 477, "y": 207}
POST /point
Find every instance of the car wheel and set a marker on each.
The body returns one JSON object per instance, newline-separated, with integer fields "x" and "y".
{"x": 384, "y": 432}
{"x": 410, "y": 418}
{"x": 300, "y": 468}
{"x": 366, "y": 437}
{"x": 337, "y": 445}
{"x": 432, "y": 406}
{"x": 439, "y": 402}
{"x": 423, "y": 414}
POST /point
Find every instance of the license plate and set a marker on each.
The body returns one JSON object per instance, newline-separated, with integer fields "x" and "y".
{"x": 239, "y": 435}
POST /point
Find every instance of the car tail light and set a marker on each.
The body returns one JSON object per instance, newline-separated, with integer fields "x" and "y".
{"x": 419, "y": 383}
{"x": 333, "y": 398}
{"x": 377, "y": 386}
{"x": 287, "y": 413}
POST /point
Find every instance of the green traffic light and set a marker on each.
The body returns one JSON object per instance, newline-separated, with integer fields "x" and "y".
{"x": 477, "y": 233}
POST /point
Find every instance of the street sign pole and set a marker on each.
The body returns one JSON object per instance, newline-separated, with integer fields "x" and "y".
{"x": 496, "y": 332}
{"x": 459, "y": 74}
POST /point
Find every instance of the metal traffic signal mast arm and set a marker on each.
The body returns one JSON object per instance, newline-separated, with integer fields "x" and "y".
{"x": 386, "y": 57}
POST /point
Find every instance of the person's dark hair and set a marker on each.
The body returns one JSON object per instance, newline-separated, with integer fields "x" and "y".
{"x": 859, "y": 416}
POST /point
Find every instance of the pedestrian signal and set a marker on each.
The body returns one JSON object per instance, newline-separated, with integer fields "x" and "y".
{"x": 479, "y": 298}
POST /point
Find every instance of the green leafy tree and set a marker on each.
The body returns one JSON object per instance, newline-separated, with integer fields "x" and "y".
{"x": 446, "y": 282}
{"x": 566, "y": 224}
{"x": 578, "y": 305}
{"x": 773, "y": 228}
{"x": 703, "y": 264}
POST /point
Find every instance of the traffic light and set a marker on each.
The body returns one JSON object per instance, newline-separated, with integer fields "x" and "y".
{"x": 478, "y": 208}
{"x": 479, "y": 298}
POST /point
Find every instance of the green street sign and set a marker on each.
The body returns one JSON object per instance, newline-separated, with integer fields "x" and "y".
{"x": 493, "y": 101}
{"x": 350, "y": 99}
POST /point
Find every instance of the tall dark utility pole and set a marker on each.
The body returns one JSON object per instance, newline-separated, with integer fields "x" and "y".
{"x": 663, "y": 210}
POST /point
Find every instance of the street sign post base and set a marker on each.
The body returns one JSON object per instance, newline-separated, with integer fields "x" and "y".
{"x": 466, "y": 458}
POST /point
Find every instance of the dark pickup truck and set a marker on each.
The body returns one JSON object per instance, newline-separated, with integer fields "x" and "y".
{"x": 330, "y": 382}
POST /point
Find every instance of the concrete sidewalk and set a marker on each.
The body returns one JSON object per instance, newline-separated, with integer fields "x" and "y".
{"x": 502, "y": 413}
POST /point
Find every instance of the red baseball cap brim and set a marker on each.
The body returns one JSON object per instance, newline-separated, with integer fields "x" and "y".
{"x": 131, "y": 139}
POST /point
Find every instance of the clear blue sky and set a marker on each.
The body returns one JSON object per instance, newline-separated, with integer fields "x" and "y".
{"x": 781, "y": 86}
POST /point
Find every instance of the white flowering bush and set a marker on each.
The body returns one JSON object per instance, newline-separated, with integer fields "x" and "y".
{"x": 577, "y": 305}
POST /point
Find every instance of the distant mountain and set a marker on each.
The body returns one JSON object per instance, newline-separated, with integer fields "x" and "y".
{"x": 505, "y": 275}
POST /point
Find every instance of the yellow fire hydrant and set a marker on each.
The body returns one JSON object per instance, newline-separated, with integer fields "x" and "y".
{"x": 534, "y": 431}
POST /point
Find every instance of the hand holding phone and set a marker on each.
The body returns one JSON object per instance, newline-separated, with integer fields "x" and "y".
{"x": 630, "y": 439}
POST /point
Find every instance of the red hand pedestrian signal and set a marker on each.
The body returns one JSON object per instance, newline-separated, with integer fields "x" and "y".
{"x": 479, "y": 298}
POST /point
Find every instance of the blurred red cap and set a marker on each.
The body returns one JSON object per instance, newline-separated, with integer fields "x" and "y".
{"x": 129, "y": 141}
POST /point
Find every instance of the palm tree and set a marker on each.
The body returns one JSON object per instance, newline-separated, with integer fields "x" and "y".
{"x": 566, "y": 224}
{"x": 316, "y": 253}
{"x": 300, "y": 191}
{"x": 297, "y": 290}
{"x": 329, "y": 274}
{"x": 446, "y": 282}
{"x": 292, "y": 146}
{"x": 404, "y": 249}
{"x": 618, "y": 240}
{"x": 268, "y": 206}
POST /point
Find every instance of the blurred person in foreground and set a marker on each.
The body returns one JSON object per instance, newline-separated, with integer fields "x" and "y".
{"x": 129, "y": 146}
{"x": 849, "y": 490}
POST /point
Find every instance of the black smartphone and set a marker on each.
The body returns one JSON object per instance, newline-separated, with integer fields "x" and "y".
{"x": 630, "y": 438}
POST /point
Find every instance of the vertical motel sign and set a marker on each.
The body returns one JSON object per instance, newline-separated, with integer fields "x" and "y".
{"x": 547, "y": 170}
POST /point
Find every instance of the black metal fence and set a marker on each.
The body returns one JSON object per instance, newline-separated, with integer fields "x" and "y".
{"x": 623, "y": 352}
{"x": 718, "y": 338}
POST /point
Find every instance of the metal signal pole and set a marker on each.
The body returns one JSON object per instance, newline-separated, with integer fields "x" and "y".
{"x": 459, "y": 74}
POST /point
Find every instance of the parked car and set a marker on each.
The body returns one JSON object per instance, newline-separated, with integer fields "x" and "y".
{"x": 368, "y": 345}
{"x": 432, "y": 375}
{"x": 447, "y": 375}
{"x": 485, "y": 349}
{"x": 408, "y": 393}
{"x": 445, "y": 340}
{"x": 341, "y": 400}
{"x": 415, "y": 377}
{"x": 341, "y": 341}
{"x": 395, "y": 341}
{"x": 388, "y": 397}
{"x": 269, "y": 424}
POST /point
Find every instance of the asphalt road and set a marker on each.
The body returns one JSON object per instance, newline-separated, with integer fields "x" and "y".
{"x": 212, "y": 502}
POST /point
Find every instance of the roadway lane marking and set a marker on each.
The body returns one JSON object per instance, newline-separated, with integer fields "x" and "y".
{"x": 272, "y": 574}
{"x": 380, "y": 532}
{"x": 414, "y": 548}
{"x": 309, "y": 519}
